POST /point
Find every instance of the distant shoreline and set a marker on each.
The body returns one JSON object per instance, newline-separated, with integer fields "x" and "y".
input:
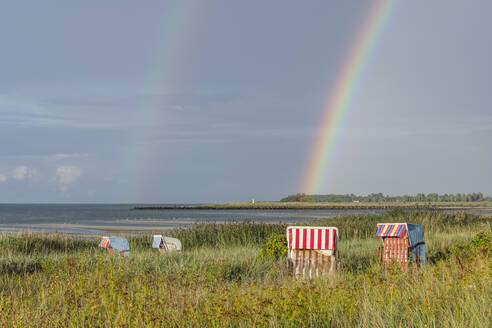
{"x": 318, "y": 206}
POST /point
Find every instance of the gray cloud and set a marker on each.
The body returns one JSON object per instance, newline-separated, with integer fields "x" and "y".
{"x": 191, "y": 113}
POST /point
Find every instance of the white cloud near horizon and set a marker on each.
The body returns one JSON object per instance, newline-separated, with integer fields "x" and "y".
{"x": 23, "y": 172}
{"x": 67, "y": 175}
{"x": 60, "y": 156}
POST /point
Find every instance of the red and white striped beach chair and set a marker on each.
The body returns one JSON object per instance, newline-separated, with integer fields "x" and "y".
{"x": 312, "y": 250}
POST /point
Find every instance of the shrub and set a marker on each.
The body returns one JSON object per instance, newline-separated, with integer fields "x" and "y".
{"x": 480, "y": 245}
{"x": 275, "y": 247}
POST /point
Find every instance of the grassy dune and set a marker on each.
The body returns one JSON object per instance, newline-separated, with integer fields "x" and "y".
{"x": 219, "y": 280}
{"x": 352, "y": 204}
{"x": 325, "y": 205}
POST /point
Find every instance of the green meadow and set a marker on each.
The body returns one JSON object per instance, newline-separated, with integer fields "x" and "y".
{"x": 221, "y": 280}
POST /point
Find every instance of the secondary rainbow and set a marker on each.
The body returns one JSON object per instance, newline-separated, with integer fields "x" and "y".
{"x": 178, "y": 24}
{"x": 339, "y": 97}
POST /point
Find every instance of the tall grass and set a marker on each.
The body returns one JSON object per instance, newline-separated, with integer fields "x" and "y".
{"x": 35, "y": 243}
{"x": 364, "y": 226}
{"x": 218, "y": 280}
{"x": 227, "y": 234}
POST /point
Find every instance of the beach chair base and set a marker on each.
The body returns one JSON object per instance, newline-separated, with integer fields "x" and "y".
{"x": 312, "y": 263}
{"x": 394, "y": 250}
{"x": 121, "y": 253}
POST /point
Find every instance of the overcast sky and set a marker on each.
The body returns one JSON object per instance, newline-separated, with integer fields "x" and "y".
{"x": 204, "y": 101}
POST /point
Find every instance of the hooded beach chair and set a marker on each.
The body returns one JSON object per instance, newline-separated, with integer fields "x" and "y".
{"x": 312, "y": 251}
{"x": 118, "y": 244}
{"x": 165, "y": 244}
{"x": 399, "y": 239}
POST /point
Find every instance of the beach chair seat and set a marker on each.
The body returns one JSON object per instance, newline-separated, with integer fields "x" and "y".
{"x": 118, "y": 245}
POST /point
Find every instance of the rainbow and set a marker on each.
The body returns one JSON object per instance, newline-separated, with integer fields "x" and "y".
{"x": 339, "y": 98}
{"x": 178, "y": 24}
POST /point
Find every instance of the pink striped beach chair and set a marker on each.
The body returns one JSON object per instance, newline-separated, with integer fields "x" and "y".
{"x": 312, "y": 251}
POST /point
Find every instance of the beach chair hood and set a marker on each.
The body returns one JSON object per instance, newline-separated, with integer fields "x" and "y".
{"x": 313, "y": 238}
{"x": 104, "y": 242}
{"x": 156, "y": 243}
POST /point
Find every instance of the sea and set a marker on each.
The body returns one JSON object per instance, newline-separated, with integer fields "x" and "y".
{"x": 105, "y": 218}
{"x": 102, "y": 218}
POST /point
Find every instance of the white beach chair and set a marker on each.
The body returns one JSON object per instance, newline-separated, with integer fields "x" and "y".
{"x": 166, "y": 244}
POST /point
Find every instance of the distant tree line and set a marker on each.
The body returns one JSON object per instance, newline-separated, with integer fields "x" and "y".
{"x": 379, "y": 197}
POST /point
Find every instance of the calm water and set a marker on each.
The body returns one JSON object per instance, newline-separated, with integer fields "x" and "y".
{"x": 89, "y": 219}
{"x": 95, "y": 219}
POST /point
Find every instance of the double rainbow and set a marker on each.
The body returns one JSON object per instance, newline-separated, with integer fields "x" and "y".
{"x": 339, "y": 98}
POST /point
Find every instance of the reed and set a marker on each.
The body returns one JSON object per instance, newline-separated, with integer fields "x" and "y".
{"x": 36, "y": 243}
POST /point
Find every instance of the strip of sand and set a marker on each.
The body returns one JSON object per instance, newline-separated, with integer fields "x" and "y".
{"x": 85, "y": 229}
{"x": 130, "y": 226}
